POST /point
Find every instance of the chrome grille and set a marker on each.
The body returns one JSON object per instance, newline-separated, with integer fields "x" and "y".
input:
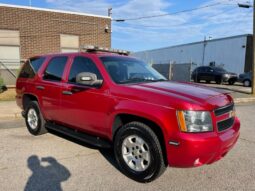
{"x": 223, "y": 110}
{"x": 223, "y": 125}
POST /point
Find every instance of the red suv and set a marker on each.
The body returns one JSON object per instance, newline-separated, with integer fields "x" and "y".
{"x": 109, "y": 99}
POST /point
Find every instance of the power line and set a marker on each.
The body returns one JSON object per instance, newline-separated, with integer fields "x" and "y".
{"x": 173, "y": 13}
{"x": 177, "y": 25}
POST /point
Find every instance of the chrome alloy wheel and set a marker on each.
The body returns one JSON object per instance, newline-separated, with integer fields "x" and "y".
{"x": 135, "y": 152}
{"x": 32, "y": 118}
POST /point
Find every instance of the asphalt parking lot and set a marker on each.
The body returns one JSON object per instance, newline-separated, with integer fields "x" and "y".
{"x": 51, "y": 162}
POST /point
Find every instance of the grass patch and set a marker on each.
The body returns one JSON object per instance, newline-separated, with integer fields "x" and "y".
{"x": 8, "y": 95}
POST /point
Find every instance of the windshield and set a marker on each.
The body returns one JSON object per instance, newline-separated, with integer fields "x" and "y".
{"x": 125, "y": 70}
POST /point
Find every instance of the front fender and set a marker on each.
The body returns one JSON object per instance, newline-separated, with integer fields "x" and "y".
{"x": 164, "y": 117}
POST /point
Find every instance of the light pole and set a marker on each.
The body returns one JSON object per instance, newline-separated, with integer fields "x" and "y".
{"x": 247, "y": 6}
{"x": 204, "y": 48}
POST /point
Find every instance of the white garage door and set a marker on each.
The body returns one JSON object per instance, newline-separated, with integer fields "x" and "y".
{"x": 10, "y": 56}
{"x": 10, "y": 48}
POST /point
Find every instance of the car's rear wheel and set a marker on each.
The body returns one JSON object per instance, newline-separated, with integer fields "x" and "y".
{"x": 246, "y": 83}
{"x": 138, "y": 152}
{"x": 34, "y": 119}
{"x": 208, "y": 81}
{"x": 231, "y": 82}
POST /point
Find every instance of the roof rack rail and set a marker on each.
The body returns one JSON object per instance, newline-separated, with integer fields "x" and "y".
{"x": 91, "y": 48}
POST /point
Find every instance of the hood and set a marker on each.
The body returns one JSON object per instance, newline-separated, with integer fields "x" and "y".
{"x": 187, "y": 93}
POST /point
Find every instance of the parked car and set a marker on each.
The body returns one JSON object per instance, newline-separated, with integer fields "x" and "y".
{"x": 245, "y": 78}
{"x": 210, "y": 73}
{"x": 109, "y": 99}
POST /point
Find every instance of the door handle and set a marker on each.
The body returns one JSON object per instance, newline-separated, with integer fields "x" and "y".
{"x": 67, "y": 93}
{"x": 40, "y": 87}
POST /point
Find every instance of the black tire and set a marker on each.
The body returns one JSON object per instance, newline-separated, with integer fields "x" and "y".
{"x": 156, "y": 166}
{"x": 208, "y": 81}
{"x": 218, "y": 81}
{"x": 197, "y": 80}
{"x": 39, "y": 129}
{"x": 231, "y": 82}
{"x": 247, "y": 83}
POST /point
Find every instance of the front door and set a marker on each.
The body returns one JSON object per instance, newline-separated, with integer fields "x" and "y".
{"x": 84, "y": 107}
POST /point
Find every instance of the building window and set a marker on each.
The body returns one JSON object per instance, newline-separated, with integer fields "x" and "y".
{"x": 69, "y": 43}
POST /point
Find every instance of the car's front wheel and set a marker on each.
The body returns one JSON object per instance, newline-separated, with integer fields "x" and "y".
{"x": 138, "y": 152}
{"x": 34, "y": 119}
{"x": 218, "y": 81}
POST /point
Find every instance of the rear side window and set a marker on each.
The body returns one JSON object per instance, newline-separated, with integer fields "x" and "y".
{"x": 55, "y": 69}
{"x": 83, "y": 64}
{"x": 31, "y": 67}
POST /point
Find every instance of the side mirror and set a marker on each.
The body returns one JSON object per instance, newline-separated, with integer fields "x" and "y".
{"x": 88, "y": 79}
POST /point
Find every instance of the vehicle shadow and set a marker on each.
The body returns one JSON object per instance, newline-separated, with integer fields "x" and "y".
{"x": 47, "y": 174}
{"x": 108, "y": 154}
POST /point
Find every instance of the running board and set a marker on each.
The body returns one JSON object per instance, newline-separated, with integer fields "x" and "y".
{"x": 81, "y": 136}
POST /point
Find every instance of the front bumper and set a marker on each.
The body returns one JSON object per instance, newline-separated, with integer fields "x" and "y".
{"x": 204, "y": 148}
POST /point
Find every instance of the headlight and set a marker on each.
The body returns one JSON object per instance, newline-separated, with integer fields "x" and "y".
{"x": 227, "y": 75}
{"x": 195, "y": 121}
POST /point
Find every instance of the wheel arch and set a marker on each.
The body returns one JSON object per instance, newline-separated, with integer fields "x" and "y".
{"x": 26, "y": 98}
{"x": 124, "y": 118}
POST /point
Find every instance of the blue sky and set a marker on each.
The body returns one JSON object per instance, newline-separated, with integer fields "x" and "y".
{"x": 225, "y": 19}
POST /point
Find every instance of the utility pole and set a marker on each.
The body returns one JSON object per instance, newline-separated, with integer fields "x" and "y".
{"x": 247, "y": 6}
{"x": 203, "y": 58}
{"x": 110, "y": 12}
{"x": 253, "y": 53}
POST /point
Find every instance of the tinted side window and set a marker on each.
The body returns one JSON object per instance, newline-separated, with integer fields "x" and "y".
{"x": 31, "y": 67}
{"x": 82, "y": 64}
{"x": 202, "y": 69}
{"x": 37, "y": 63}
{"x": 55, "y": 69}
{"x": 209, "y": 69}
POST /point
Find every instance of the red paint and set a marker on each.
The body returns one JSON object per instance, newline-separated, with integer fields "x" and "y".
{"x": 93, "y": 110}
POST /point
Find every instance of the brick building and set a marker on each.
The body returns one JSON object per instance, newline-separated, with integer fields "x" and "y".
{"x": 27, "y": 31}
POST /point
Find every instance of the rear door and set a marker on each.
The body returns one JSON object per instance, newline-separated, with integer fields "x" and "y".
{"x": 85, "y": 107}
{"x": 50, "y": 87}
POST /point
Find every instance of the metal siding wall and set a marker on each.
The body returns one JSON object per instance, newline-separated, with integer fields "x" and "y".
{"x": 227, "y": 51}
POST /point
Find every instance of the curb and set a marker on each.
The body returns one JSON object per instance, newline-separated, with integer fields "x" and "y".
{"x": 244, "y": 100}
{"x": 11, "y": 116}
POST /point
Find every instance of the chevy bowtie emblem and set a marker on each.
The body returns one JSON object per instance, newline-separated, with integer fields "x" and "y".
{"x": 232, "y": 114}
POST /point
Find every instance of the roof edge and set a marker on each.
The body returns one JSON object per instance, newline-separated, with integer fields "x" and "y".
{"x": 52, "y": 10}
{"x": 192, "y": 43}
